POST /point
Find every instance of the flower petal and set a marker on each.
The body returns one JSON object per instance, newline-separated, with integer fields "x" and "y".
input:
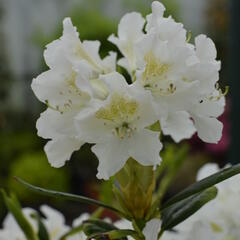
{"x": 178, "y": 125}
{"x": 145, "y": 147}
{"x": 205, "y": 48}
{"x": 112, "y": 156}
{"x": 209, "y": 129}
{"x": 131, "y": 26}
{"x": 60, "y": 150}
{"x": 53, "y": 124}
{"x": 152, "y": 229}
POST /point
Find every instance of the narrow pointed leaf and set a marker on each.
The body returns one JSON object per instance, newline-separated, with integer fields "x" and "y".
{"x": 67, "y": 196}
{"x": 15, "y": 208}
{"x": 204, "y": 184}
{"x": 182, "y": 210}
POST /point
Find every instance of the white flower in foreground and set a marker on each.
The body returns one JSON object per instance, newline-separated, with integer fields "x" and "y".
{"x": 118, "y": 127}
{"x": 219, "y": 219}
{"x": 66, "y": 88}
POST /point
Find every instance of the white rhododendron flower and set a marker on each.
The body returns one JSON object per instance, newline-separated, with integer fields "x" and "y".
{"x": 218, "y": 220}
{"x": 118, "y": 127}
{"x": 11, "y": 230}
{"x": 66, "y": 88}
{"x": 171, "y": 81}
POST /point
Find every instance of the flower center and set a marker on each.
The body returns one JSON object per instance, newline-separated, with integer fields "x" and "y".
{"x": 155, "y": 76}
{"x": 121, "y": 113}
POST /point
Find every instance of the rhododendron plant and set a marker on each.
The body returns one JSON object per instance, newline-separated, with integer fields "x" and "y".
{"x": 171, "y": 89}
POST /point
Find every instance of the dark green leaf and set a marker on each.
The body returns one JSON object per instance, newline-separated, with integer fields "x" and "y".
{"x": 114, "y": 234}
{"x": 180, "y": 211}
{"x": 15, "y": 208}
{"x": 204, "y": 184}
{"x": 67, "y": 196}
{"x": 98, "y": 229}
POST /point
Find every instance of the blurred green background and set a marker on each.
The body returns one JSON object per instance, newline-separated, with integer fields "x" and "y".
{"x": 26, "y": 26}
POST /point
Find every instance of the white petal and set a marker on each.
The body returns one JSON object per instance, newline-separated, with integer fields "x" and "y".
{"x": 91, "y": 129}
{"x": 131, "y": 26}
{"x": 59, "y": 151}
{"x": 52, "y": 214}
{"x": 205, "y": 48}
{"x": 207, "y": 170}
{"x": 54, "y": 56}
{"x": 178, "y": 125}
{"x": 152, "y": 229}
{"x": 84, "y": 73}
{"x": 92, "y": 48}
{"x": 146, "y": 112}
{"x": 210, "y": 108}
{"x": 109, "y": 62}
{"x": 112, "y": 157}
{"x": 209, "y": 129}
{"x": 115, "y": 81}
{"x": 69, "y": 29}
{"x": 157, "y": 12}
{"x": 78, "y": 221}
{"x": 53, "y": 124}
{"x": 145, "y": 147}
{"x": 48, "y": 85}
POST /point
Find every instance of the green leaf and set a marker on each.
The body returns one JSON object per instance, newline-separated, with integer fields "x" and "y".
{"x": 115, "y": 234}
{"x": 15, "y": 208}
{"x": 42, "y": 230}
{"x": 204, "y": 184}
{"x": 93, "y": 227}
{"x": 180, "y": 211}
{"x": 72, "y": 232}
{"x": 98, "y": 229}
{"x": 67, "y": 196}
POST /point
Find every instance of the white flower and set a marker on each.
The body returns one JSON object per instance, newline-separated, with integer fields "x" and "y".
{"x": 53, "y": 221}
{"x": 130, "y": 31}
{"x": 11, "y": 230}
{"x": 219, "y": 219}
{"x": 181, "y": 76}
{"x": 118, "y": 127}
{"x": 73, "y": 79}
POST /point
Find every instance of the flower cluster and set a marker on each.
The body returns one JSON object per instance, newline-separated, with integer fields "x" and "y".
{"x": 173, "y": 84}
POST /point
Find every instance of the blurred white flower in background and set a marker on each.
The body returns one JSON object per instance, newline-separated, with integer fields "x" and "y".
{"x": 219, "y": 219}
{"x": 54, "y": 222}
